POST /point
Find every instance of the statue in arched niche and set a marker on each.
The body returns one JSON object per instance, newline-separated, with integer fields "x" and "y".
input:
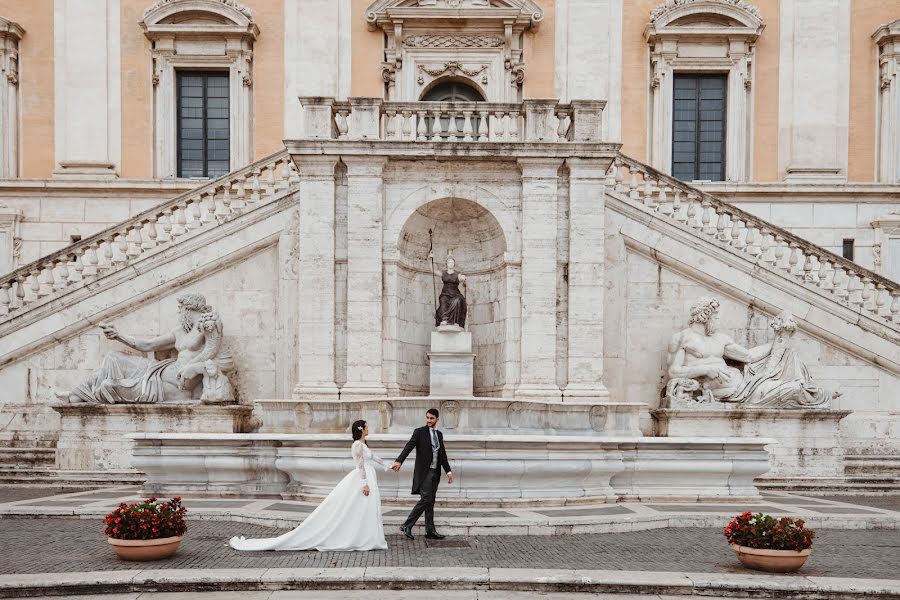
{"x": 451, "y": 304}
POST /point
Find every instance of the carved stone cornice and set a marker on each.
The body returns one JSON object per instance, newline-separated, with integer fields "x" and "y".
{"x": 229, "y": 3}
{"x": 234, "y": 19}
{"x": 10, "y": 30}
{"x": 520, "y": 13}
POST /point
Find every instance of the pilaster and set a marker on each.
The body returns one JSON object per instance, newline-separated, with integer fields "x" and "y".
{"x": 538, "y": 280}
{"x": 586, "y": 279}
{"x": 365, "y": 210}
{"x": 316, "y": 305}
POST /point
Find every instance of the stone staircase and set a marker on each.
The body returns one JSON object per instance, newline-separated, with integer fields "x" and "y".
{"x": 837, "y": 299}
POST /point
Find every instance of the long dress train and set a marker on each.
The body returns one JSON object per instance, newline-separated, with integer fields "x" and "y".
{"x": 345, "y": 520}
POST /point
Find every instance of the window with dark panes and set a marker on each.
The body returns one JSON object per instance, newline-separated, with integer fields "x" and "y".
{"x": 698, "y": 127}
{"x": 203, "y": 124}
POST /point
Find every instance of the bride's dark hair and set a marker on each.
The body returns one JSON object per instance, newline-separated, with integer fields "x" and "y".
{"x": 356, "y": 430}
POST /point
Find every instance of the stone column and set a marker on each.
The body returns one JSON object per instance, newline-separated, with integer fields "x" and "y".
{"x": 586, "y": 279}
{"x": 365, "y": 213}
{"x": 390, "y": 345}
{"x": 88, "y": 94}
{"x": 512, "y": 358}
{"x": 316, "y": 306}
{"x": 539, "y": 263}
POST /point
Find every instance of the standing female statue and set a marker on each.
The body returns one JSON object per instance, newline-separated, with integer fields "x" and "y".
{"x": 451, "y": 309}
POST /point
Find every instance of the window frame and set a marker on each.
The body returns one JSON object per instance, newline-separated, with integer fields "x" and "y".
{"x": 724, "y": 143}
{"x": 179, "y": 73}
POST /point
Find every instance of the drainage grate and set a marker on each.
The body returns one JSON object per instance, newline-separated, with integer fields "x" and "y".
{"x": 447, "y": 543}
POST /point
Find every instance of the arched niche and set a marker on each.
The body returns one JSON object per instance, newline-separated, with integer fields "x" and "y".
{"x": 476, "y": 240}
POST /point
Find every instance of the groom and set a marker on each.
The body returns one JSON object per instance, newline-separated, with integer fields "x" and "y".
{"x": 428, "y": 443}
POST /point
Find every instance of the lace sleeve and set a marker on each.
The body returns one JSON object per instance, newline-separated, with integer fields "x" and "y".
{"x": 359, "y": 456}
{"x": 380, "y": 461}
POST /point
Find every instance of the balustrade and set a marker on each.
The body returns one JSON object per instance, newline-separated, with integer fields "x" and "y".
{"x": 767, "y": 245}
{"x": 124, "y": 244}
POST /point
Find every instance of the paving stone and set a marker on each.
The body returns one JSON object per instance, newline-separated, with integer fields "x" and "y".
{"x": 841, "y": 510}
{"x": 70, "y": 545}
{"x": 882, "y": 501}
{"x": 712, "y": 508}
{"x": 586, "y": 512}
{"x": 285, "y": 507}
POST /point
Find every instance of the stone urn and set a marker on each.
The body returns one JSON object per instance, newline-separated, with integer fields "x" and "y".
{"x": 775, "y": 561}
{"x": 156, "y": 549}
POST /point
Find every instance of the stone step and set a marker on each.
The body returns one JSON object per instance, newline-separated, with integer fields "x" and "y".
{"x": 27, "y": 457}
{"x": 874, "y": 483}
{"x": 58, "y": 478}
{"x": 872, "y": 464}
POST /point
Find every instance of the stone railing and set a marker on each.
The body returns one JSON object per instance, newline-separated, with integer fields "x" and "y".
{"x": 162, "y": 226}
{"x": 530, "y": 121}
{"x": 765, "y": 244}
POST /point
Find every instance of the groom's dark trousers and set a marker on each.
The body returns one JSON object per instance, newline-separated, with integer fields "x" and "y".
{"x": 425, "y": 479}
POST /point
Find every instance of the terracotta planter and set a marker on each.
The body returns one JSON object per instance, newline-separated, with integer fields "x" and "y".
{"x": 146, "y": 549}
{"x": 776, "y": 561}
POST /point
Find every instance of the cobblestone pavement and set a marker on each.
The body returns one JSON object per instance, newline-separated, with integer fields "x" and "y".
{"x": 66, "y": 545}
{"x": 885, "y": 502}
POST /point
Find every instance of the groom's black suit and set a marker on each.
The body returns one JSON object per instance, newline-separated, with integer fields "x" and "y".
{"x": 425, "y": 479}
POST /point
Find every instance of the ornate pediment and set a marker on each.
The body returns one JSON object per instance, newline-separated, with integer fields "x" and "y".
{"x": 521, "y": 13}
{"x": 225, "y": 12}
{"x": 742, "y": 14}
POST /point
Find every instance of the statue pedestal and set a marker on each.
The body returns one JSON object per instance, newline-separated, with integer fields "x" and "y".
{"x": 451, "y": 362}
{"x": 808, "y": 445}
{"x": 92, "y": 436}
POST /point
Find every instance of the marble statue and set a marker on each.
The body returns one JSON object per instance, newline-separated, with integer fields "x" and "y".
{"x": 772, "y": 375}
{"x": 126, "y": 378}
{"x": 451, "y": 309}
{"x": 216, "y": 386}
{"x": 781, "y": 380}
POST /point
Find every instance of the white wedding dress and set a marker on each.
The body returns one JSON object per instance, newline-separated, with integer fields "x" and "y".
{"x": 345, "y": 520}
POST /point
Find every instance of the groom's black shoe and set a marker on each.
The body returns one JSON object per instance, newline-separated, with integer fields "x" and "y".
{"x": 407, "y": 532}
{"x": 434, "y": 535}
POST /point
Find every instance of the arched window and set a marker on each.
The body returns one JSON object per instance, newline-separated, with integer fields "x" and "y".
{"x": 452, "y": 91}
{"x": 202, "y": 54}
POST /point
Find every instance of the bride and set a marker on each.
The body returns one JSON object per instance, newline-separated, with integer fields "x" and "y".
{"x": 349, "y": 518}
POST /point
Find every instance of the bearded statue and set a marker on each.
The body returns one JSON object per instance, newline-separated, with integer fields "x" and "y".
{"x": 126, "y": 378}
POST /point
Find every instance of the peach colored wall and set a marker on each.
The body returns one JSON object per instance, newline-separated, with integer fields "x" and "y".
{"x": 765, "y": 94}
{"x": 137, "y": 93}
{"x": 635, "y": 77}
{"x": 36, "y": 83}
{"x": 367, "y": 54}
{"x": 540, "y": 56}
{"x": 865, "y": 17}
{"x": 268, "y": 78}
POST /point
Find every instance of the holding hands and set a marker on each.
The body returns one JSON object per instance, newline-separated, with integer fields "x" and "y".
{"x": 395, "y": 466}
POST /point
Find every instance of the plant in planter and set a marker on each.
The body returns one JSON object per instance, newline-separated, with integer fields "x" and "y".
{"x": 768, "y": 544}
{"x": 148, "y": 530}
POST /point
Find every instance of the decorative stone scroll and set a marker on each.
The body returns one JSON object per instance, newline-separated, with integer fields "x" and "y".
{"x": 772, "y": 375}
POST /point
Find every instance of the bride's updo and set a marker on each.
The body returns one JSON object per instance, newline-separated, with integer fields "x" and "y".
{"x": 356, "y": 430}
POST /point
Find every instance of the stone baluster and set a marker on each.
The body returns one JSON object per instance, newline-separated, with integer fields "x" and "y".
{"x": 895, "y": 305}
{"x": 681, "y": 211}
{"x": 483, "y": 126}
{"x": 437, "y": 127}
{"x": 20, "y": 291}
{"x": 270, "y": 180}
{"x": 753, "y": 241}
{"x": 620, "y": 179}
{"x": 150, "y": 239}
{"x": 254, "y": 188}
{"x": 390, "y": 118}
{"x": 422, "y": 126}
{"x": 467, "y": 126}
{"x": 826, "y": 275}
{"x": 206, "y": 207}
{"x": 44, "y": 281}
{"x": 340, "y": 121}
{"x": 766, "y": 255}
{"x": 76, "y": 273}
{"x": 133, "y": 238}
{"x": 868, "y": 293}
{"x": 108, "y": 256}
{"x": 793, "y": 258}
{"x": 841, "y": 282}
{"x": 855, "y": 289}
{"x": 192, "y": 215}
{"x": 120, "y": 258}
{"x": 514, "y": 126}
{"x": 165, "y": 227}
{"x": 284, "y": 181}
{"x": 633, "y": 185}
{"x": 500, "y": 126}
{"x": 223, "y": 212}
{"x": 407, "y": 122}
{"x": 5, "y": 298}
{"x": 881, "y": 296}
{"x": 240, "y": 198}
{"x": 736, "y": 239}
{"x": 34, "y": 285}
{"x": 780, "y": 251}
{"x": 810, "y": 269}
{"x": 721, "y": 226}
{"x": 662, "y": 199}
{"x": 90, "y": 261}
{"x": 452, "y": 129}
{"x": 707, "y": 217}
{"x": 693, "y": 209}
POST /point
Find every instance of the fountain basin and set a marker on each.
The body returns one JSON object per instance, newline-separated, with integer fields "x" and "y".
{"x": 495, "y": 470}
